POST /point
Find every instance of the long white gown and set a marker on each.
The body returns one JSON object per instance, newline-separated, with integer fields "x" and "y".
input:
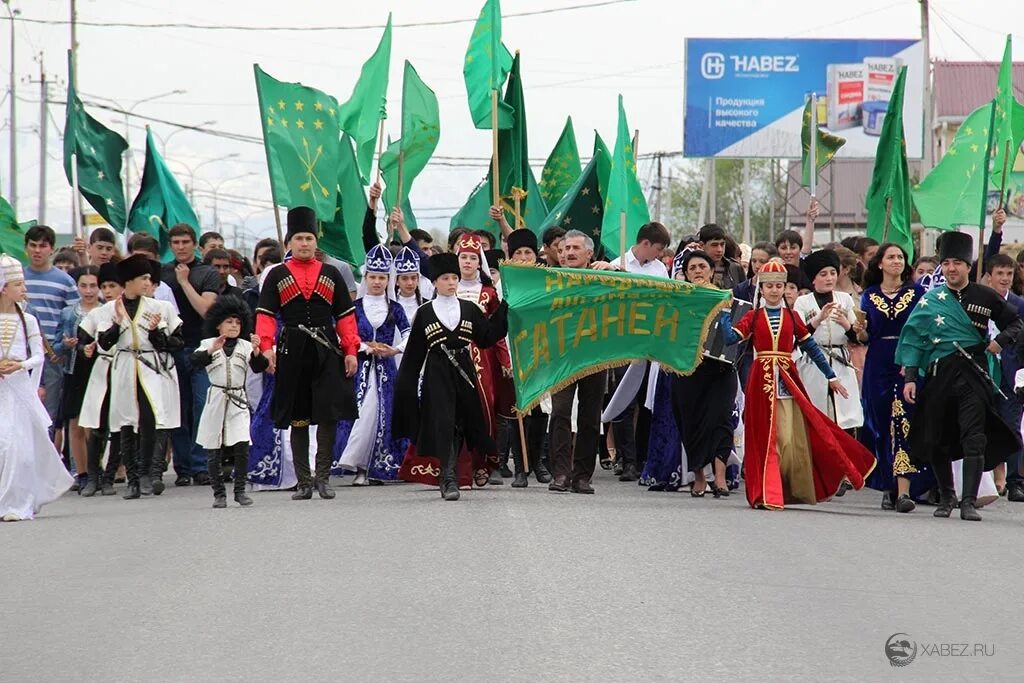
{"x": 31, "y": 471}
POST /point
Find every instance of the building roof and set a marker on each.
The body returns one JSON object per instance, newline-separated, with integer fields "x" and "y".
{"x": 962, "y": 87}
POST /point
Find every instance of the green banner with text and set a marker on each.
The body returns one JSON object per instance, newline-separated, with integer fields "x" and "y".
{"x": 564, "y": 324}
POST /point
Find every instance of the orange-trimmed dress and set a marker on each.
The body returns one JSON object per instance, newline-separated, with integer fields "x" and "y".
{"x": 793, "y": 452}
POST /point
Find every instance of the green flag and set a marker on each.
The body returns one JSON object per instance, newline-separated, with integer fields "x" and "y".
{"x": 566, "y": 323}
{"x": 98, "y": 153}
{"x": 582, "y": 206}
{"x": 888, "y": 197}
{"x": 604, "y": 163}
{"x": 421, "y": 127}
{"x": 955, "y": 191}
{"x": 360, "y": 117}
{"x": 343, "y": 236}
{"x": 562, "y": 167}
{"x": 487, "y": 64}
{"x": 515, "y": 175}
{"x": 300, "y": 133}
{"x": 624, "y": 193}
{"x": 825, "y": 148}
{"x": 161, "y": 203}
{"x": 12, "y": 237}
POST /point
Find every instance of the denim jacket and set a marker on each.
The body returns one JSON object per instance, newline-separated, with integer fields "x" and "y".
{"x": 70, "y": 319}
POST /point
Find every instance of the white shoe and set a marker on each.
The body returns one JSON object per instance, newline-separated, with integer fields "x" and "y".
{"x": 360, "y": 479}
{"x": 11, "y": 518}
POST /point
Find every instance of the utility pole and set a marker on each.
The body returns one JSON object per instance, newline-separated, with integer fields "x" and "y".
{"x": 928, "y": 151}
{"x": 746, "y": 201}
{"x": 657, "y": 207}
{"x": 44, "y": 113}
{"x": 14, "y": 115}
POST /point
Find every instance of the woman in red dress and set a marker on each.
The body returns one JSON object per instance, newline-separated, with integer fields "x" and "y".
{"x": 494, "y": 371}
{"x": 794, "y": 453}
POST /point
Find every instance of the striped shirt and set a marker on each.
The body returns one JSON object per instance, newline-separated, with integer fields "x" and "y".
{"x": 48, "y": 293}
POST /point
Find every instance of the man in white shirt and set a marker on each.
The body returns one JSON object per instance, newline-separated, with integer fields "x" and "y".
{"x": 643, "y": 258}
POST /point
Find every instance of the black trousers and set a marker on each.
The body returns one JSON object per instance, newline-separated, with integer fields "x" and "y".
{"x": 326, "y": 433}
{"x": 577, "y": 460}
{"x": 239, "y": 454}
{"x": 971, "y": 410}
{"x": 138, "y": 443}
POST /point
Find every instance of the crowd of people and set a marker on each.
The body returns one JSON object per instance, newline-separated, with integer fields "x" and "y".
{"x": 282, "y": 371}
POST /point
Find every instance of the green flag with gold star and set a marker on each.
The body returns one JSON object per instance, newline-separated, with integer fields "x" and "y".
{"x": 161, "y": 203}
{"x": 562, "y": 167}
{"x": 97, "y": 151}
{"x": 12, "y": 236}
{"x": 956, "y": 191}
{"x": 582, "y": 205}
{"x": 343, "y": 236}
{"x": 404, "y": 158}
{"x": 300, "y": 133}
{"x": 487, "y": 64}
{"x": 624, "y": 193}
{"x": 360, "y": 117}
{"x": 826, "y": 147}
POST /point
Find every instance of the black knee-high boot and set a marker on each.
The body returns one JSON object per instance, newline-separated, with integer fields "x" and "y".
{"x": 241, "y": 451}
{"x": 213, "y": 459}
{"x": 300, "y": 459}
{"x": 326, "y": 434}
{"x": 943, "y": 471}
{"x": 94, "y": 454}
{"x": 973, "y": 466}
{"x": 130, "y": 458}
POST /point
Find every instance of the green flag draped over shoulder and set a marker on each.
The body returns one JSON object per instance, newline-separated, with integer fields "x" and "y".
{"x": 562, "y": 167}
{"x": 12, "y": 237}
{"x": 161, "y": 203}
{"x": 98, "y": 153}
{"x": 888, "y": 198}
{"x": 514, "y": 173}
{"x": 487, "y": 64}
{"x": 360, "y": 117}
{"x": 825, "y": 149}
{"x": 300, "y": 133}
{"x": 564, "y": 324}
{"x": 342, "y": 237}
{"x": 624, "y": 193}
{"x": 934, "y": 327}
{"x": 421, "y": 128}
{"x": 955, "y": 191}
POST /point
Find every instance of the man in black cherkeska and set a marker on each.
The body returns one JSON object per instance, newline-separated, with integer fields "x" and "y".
{"x": 449, "y": 406}
{"x": 316, "y": 353}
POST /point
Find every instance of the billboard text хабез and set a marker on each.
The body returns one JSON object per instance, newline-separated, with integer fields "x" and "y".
{"x": 745, "y": 96}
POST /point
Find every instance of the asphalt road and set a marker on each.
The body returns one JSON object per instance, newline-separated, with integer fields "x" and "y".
{"x": 393, "y": 584}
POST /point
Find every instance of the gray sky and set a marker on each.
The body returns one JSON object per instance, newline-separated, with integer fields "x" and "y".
{"x": 573, "y": 63}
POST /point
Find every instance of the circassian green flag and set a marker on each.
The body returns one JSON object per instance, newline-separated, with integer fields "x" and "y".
{"x": 487, "y": 64}
{"x": 825, "y": 147}
{"x": 888, "y": 199}
{"x": 361, "y": 115}
{"x": 12, "y": 236}
{"x": 624, "y": 194}
{"x": 97, "y": 152}
{"x": 300, "y": 134}
{"x": 161, "y": 203}
{"x": 343, "y": 236}
{"x": 562, "y": 167}
{"x": 564, "y": 324}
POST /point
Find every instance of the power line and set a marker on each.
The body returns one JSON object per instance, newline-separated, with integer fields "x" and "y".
{"x": 363, "y": 27}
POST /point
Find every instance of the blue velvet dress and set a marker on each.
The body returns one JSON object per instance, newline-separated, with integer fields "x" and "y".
{"x": 387, "y": 451}
{"x": 886, "y": 414}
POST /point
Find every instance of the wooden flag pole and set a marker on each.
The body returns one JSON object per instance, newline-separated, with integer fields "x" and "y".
{"x": 985, "y": 178}
{"x": 380, "y": 148}
{"x": 636, "y": 144}
{"x": 888, "y": 216}
{"x": 522, "y": 442}
{"x": 814, "y": 146}
{"x": 277, "y": 219}
{"x": 622, "y": 241}
{"x": 495, "y": 180}
{"x": 75, "y": 215}
{"x": 518, "y": 202}
{"x": 1002, "y": 183}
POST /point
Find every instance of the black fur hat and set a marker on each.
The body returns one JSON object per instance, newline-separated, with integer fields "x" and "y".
{"x": 958, "y": 245}
{"x": 443, "y": 263}
{"x": 132, "y": 267}
{"x": 301, "y": 219}
{"x": 227, "y": 306}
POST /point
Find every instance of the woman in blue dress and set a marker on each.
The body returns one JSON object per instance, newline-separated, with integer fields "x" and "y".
{"x": 889, "y": 296}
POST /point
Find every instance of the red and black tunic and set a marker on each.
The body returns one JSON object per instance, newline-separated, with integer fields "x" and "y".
{"x": 311, "y": 386}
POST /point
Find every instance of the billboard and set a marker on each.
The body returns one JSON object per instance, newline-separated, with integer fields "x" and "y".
{"x": 745, "y": 97}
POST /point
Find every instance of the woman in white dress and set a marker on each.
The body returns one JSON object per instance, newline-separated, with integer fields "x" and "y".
{"x": 829, "y": 316}
{"x": 31, "y": 471}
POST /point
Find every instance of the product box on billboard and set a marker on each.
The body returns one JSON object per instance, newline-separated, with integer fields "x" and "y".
{"x": 845, "y": 93}
{"x": 880, "y": 77}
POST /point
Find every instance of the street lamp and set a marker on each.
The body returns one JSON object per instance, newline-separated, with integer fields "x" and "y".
{"x": 164, "y": 141}
{"x": 192, "y": 171}
{"x": 216, "y": 188}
